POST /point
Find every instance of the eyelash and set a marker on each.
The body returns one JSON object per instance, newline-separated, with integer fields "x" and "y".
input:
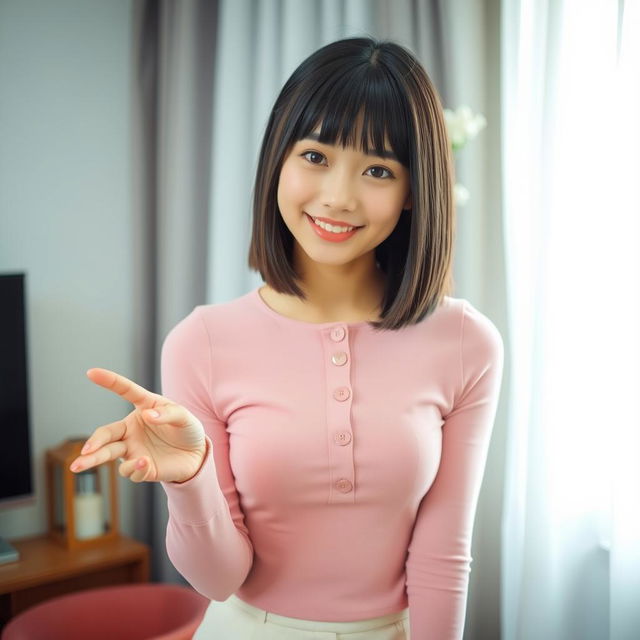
{"x": 388, "y": 177}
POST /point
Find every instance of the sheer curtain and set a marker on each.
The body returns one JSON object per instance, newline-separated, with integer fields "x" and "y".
{"x": 571, "y": 529}
{"x": 625, "y": 479}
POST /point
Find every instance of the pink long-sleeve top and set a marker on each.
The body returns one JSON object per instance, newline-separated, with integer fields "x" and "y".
{"x": 343, "y": 465}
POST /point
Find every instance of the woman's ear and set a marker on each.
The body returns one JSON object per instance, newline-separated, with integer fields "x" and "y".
{"x": 408, "y": 204}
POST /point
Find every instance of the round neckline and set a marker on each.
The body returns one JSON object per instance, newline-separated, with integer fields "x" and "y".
{"x": 262, "y": 303}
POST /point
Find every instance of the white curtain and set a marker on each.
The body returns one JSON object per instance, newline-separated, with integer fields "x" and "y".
{"x": 625, "y": 449}
{"x": 571, "y": 154}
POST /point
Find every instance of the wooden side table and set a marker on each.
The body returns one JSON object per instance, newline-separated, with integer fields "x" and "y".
{"x": 46, "y": 570}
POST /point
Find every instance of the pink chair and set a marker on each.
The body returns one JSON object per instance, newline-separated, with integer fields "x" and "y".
{"x": 140, "y": 611}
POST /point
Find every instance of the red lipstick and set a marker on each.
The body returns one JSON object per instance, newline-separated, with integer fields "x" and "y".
{"x": 330, "y": 235}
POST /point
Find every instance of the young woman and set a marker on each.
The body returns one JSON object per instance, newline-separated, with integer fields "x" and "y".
{"x": 322, "y": 439}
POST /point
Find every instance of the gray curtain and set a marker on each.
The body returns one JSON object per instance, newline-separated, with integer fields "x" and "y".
{"x": 171, "y": 106}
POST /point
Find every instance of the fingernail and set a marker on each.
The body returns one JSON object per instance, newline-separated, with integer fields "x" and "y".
{"x": 154, "y": 413}
{"x": 141, "y": 463}
{"x": 75, "y": 466}
{"x": 86, "y": 448}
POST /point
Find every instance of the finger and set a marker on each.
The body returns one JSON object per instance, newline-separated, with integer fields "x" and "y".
{"x": 127, "y": 389}
{"x": 136, "y": 470}
{"x": 103, "y": 435}
{"x": 104, "y": 454}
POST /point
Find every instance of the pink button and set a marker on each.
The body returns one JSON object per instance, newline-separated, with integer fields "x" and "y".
{"x": 339, "y": 358}
{"x": 337, "y": 334}
{"x": 342, "y": 393}
{"x": 344, "y": 485}
{"x": 342, "y": 437}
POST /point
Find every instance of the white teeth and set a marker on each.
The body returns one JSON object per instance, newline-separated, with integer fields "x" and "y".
{"x": 330, "y": 227}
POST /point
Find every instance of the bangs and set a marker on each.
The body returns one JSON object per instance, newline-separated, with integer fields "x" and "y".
{"x": 365, "y": 96}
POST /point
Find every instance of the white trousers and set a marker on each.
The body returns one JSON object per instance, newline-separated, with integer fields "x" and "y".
{"x": 235, "y": 619}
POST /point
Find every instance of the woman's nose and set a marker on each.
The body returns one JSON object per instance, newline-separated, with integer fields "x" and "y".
{"x": 338, "y": 191}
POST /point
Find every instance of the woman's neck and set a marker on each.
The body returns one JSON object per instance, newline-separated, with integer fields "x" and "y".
{"x": 325, "y": 304}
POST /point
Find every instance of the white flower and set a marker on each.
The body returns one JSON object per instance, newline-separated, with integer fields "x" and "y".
{"x": 463, "y": 125}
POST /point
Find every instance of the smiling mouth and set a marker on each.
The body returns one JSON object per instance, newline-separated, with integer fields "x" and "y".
{"x": 333, "y": 224}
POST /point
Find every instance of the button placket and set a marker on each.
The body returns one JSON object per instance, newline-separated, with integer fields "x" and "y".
{"x": 339, "y": 430}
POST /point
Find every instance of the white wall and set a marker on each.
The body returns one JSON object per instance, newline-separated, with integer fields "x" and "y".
{"x": 65, "y": 215}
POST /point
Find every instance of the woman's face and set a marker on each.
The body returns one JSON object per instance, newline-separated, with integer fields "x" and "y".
{"x": 346, "y": 186}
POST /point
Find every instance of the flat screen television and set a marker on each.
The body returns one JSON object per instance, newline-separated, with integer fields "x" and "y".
{"x": 16, "y": 473}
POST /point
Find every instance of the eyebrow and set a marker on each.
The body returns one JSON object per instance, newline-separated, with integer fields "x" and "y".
{"x": 386, "y": 153}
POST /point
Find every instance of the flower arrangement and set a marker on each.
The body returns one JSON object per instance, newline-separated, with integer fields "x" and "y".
{"x": 463, "y": 125}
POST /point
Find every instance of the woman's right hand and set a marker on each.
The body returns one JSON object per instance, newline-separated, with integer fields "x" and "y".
{"x": 171, "y": 446}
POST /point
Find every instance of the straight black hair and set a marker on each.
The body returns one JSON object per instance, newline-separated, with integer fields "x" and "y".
{"x": 384, "y": 84}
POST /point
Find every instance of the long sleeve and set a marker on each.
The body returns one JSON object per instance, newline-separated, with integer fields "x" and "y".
{"x": 207, "y": 540}
{"x": 439, "y": 554}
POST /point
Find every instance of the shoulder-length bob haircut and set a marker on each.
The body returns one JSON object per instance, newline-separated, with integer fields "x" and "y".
{"x": 383, "y": 83}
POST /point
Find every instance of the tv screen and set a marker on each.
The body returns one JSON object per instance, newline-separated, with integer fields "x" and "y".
{"x": 15, "y": 452}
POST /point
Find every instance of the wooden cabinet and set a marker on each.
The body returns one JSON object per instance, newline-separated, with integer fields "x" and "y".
{"x": 46, "y": 570}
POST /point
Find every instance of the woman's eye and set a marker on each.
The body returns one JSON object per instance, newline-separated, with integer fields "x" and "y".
{"x": 379, "y": 169}
{"x": 312, "y": 153}
{"x": 315, "y": 157}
